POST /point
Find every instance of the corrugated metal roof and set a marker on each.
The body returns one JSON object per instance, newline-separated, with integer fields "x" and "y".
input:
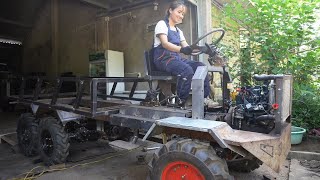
{"x": 10, "y": 41}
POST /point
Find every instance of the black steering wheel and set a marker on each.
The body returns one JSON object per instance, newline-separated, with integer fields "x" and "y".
{"x": 210, "y": 48}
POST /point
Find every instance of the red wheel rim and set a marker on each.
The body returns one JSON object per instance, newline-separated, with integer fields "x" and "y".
{"x": 181, "y": 170}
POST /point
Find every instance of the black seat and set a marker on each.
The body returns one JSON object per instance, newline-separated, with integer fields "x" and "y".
{"x": 151, "y": 71}
{"x": 163, "y": 79}
{"x": 166, "y": 82}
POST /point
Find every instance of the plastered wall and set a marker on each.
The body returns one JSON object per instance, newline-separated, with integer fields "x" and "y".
{"x": 74, "y": 39}
{"x": 37, "y": 45}
{"x": 79, "y": 32}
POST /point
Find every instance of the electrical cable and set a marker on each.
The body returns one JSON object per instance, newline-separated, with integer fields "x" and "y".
{"x": 26, "y": 177}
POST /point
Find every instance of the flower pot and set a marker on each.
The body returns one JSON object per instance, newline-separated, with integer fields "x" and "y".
{"x": 297, "y": 134}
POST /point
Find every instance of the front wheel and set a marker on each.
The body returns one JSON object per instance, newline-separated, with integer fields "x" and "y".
{"x": 187, "y": 159}
{"x": 53, "y": 141}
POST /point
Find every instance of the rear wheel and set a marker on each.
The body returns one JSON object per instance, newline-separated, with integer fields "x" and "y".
{"x": 187, "y": 159}
{"x": 27, "y": 134}
{"x": 53, "y": 141}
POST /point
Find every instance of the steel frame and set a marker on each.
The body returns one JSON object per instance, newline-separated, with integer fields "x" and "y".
{"x": 270, "y": 148}
{"x": 77, "y": 102}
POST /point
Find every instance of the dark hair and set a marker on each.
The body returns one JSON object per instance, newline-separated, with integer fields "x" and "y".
{"x": 173, "y": 5}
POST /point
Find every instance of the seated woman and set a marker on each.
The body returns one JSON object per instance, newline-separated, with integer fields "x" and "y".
{"x": 169, "y": 42}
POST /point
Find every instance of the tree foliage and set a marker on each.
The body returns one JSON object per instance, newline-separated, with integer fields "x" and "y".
{"x": 281, "y": 38}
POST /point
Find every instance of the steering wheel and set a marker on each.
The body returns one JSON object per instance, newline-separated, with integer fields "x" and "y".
{"x": 210, "y": 48}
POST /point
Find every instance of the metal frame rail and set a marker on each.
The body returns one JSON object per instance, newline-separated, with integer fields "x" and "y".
{"x": 77, "y": 102}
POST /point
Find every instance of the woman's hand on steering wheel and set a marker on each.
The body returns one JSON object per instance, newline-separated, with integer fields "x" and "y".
{"x": 200, "y": 49}
{"x": 208, "y": 48}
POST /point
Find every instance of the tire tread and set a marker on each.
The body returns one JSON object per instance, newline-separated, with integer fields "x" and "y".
{"x": 60, "y": 138}
{"x": 27, "y": 120}
{"x": 216, "y": 165}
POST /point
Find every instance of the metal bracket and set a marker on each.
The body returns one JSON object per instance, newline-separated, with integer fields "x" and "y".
{"x": 149, "y": 132}
{"x": 65, "y": 116}
{"x": 34, "y": 108}
{"x": 223, "y": 144}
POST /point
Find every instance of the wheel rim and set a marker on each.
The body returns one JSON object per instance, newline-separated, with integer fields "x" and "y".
{"x": 46, "y": 143}
{"x": 181, "y": 170}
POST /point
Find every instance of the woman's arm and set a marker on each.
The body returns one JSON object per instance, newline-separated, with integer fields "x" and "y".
{"x": 184, "y": 43}
{"x": 168, "y": 45}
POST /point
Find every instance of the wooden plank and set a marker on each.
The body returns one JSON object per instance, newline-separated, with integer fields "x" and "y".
{"x": 10, "y": 138}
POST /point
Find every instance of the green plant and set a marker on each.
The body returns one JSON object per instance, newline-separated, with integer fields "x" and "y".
{"x": 279, "y": 37}
{"x": 306, "y": 106}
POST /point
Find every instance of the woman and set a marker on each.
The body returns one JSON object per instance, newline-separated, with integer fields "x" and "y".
{"x": 169, "y": 42}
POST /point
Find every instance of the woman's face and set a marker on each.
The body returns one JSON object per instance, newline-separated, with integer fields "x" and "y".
{"x": 177, "y": 14}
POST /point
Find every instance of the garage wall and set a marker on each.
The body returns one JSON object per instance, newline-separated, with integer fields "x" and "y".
{"x": 37, "y": 46}
{"x": 75, "y": 38}
{"x": 77, "y": 27}
{"x": 80, "y": 32}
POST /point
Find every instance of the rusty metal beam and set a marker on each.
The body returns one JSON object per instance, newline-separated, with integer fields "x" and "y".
{"x": 98, "y": 3}
{"x": 126, "y": 7}
{"x": 17, "y": 23}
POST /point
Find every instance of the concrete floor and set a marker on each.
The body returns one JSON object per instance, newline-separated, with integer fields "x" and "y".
{"x": 122, "y": 165}
{"x": 117, "y": 165}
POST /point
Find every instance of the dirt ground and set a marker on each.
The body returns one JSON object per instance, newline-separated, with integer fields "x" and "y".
{"x": 308, "y": 144}
{"x": 312, "y": 165}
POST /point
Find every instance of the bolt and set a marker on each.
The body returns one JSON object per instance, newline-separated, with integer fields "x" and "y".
{"x": 149, "y": 149}
{"x": 141, "y": 159}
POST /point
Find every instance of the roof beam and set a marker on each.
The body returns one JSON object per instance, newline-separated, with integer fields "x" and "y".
{"x": 126, "y": 7}
{"x": 98, "y": 3}
{"x": 7, "y": 21}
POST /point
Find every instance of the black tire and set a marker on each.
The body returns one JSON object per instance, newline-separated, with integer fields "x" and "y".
{"x": 196, "y": 155}
{"x": 53, "y": 141}
{"x": 244, "y": 165}
{"x": 27, "y": 134}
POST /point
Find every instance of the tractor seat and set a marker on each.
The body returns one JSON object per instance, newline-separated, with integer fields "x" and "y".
{"x": 152, "y": 73}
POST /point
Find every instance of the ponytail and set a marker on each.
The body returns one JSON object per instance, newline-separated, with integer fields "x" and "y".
{"x": 166, "y": 17}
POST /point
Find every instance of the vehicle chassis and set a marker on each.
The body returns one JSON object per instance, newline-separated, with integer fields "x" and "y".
{"x": 271, "y": 148}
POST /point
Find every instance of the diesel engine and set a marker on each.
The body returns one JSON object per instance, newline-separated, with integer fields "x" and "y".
{"x": 253, "y": 109}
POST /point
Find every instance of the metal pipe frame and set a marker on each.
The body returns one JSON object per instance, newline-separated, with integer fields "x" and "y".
{"x": 75, "y": 98}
